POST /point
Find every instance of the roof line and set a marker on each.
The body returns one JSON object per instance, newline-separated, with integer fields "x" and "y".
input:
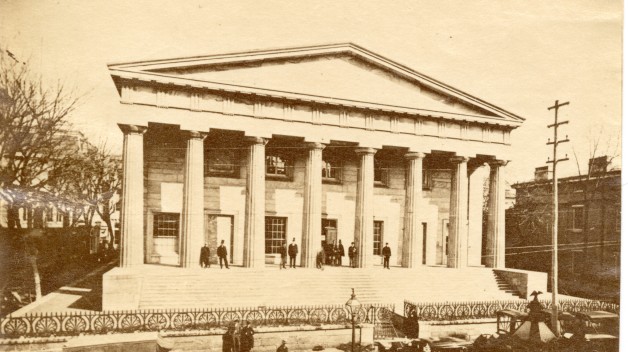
{"x": 350, "y": 48}
{"x": 339, "y": 100}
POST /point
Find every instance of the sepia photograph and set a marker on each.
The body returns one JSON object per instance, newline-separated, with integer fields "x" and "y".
{"x": 337, "y": 176}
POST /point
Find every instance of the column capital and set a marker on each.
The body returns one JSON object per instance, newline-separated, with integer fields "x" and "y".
{"x": 194, "y": 134}
{"x": 497, "y": 163}
{"x": 414, "y": 155}
{"x": 365, "y": 151}
{"x": 315, "y": 145}
{"x": 255, "y": 140}
{"x": 459, "y": 159}
{"x": 132, "y": 129}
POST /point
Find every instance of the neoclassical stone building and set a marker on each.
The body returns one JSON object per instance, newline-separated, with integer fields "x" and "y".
{"x": 319, "y": 144}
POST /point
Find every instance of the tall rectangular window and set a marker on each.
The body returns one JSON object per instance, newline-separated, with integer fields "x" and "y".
{"x": 275, "y": 234}
{"x": 166, "y": 225}
{"x": 380, "y": 172}
{"x": 578, "y": 217}
{"x": 378, "y": 234}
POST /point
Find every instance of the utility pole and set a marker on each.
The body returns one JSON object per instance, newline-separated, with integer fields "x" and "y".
{"x": 554, "y": 162}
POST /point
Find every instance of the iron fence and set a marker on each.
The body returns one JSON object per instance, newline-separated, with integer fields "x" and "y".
{"x": 70, "y": 324}
{"x": 439, "y": 311}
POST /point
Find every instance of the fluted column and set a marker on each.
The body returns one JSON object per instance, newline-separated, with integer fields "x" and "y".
{"x": 476, "y": 202}
{"x": 132, "y": 212}
{"x": 312, "y": 201}
{"x": 457, "y": 257}
{"x": 496, "y": 234}
{"x": 412, "y": 255}
{"x": 193, "y": 197}
{"x": 364, "y": 207}
{"x": 254, "y": 252}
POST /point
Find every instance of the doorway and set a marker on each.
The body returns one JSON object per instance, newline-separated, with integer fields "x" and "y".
{"x": 217, "y": 229}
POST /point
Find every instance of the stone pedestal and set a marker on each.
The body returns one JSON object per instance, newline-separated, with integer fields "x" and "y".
{"x": 193, "y": 198}
{"x": 364, "y": 207}
{"x": 496, "y": 232}
{"x": 412, "y": 255}
{"x": 458, "y": 238}
{"x": 254, "y": 217}
{"x": 312, "y": 202}
{"x": 132, "y": 212}
{"x": 121, "y": 289}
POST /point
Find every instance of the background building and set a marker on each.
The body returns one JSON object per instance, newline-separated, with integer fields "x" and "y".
{"x": 589, "y": 223}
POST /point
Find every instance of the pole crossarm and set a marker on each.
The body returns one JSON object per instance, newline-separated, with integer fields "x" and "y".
{"x": 559, "y": 141}
{"x": 558, "y": 124}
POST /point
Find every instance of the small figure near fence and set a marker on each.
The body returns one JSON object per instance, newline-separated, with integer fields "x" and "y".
{"x": 282, "y": 347}
{"x": 227, "y": 340}
{"x": 248, "y": 341}
{"x": 320, "y": 259}
{"x": 236, "y": 336}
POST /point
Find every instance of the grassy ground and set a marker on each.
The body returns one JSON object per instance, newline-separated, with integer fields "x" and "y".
{"x": 62, "y": 257}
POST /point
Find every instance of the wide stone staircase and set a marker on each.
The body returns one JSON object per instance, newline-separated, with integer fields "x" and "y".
{"x": 239, "y": 287}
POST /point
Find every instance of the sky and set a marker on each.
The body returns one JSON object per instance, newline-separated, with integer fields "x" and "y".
{"x": 518, "y": 55}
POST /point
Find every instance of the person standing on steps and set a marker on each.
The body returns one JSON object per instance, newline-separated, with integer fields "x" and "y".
{"x": 204, "y": 260}
{"x": 341, "y": 252}
{"x": 386, "y": 254}
{"x": 293, "y": 249}
{"x": 222, "y": 254}
{"x": 320, "y": 259}
{"x": 283, "y": 252}
{"x": 353, "y": 252}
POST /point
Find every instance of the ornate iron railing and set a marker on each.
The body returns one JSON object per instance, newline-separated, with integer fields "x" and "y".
{"x": 438, "y": 311}
{"x": 69, "y": 324}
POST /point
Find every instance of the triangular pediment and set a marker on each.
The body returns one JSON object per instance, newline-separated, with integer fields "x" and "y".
{"x": 340, "y": 72}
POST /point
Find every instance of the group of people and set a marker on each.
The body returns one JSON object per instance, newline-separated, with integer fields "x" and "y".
{"x": 221, "y": 252}
{"x": 238, "y": 338}
{"x": 329, "y": 254}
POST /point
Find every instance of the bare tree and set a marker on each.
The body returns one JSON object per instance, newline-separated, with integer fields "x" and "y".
{"x": 33, "y": 120}
{"x": 602, "y": 152}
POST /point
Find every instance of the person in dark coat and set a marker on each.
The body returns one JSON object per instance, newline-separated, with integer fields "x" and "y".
{"x": 386, "y": 254}
{"x": 282, "y": 347}
{"x": 341, "y": 252}
{"x": 353, "y": 253}
{"x": 204, "y": 260}
{"x": 293, "y": 249}
{"x": 222, "y": 254}
{"x": 247, "y": 337}
{"x": 227, "y": 340}
{"x": 283, "y": 252}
